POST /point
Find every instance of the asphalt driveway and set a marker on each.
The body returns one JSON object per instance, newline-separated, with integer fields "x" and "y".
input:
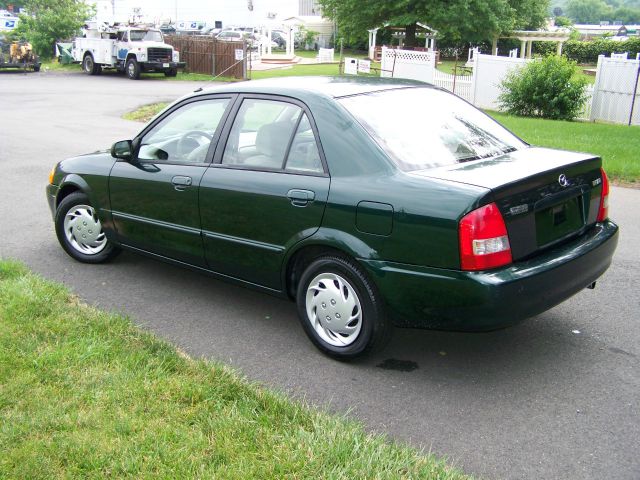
{"x": 555, "y": 397}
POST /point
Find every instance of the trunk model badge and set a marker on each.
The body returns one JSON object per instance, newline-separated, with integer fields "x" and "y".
{"x": 519, "y": 209}
{"x": 563, "y": 180}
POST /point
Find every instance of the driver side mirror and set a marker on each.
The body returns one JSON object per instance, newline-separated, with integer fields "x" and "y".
{"x": 123, "y": 150}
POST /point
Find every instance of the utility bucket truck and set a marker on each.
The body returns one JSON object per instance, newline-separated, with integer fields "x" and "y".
{"x": 132, "y": 50}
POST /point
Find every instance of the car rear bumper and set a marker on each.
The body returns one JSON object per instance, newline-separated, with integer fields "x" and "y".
{"x": 422, "y": 297}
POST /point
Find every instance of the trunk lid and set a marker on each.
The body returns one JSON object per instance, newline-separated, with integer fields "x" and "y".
{"x": 546, "y": 196}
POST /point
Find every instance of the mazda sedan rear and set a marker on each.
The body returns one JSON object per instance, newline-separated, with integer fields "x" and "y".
{"x": 369, "y": 202}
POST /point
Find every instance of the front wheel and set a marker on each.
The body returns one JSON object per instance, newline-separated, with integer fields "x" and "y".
{"x": 340, "y": 309}
{"x": 171, "y": 72}
{"x": 79, "y": 230}
{"x": 132, "y": 69}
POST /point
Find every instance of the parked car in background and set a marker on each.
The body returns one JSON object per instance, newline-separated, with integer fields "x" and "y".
{"x": 211, "y": 31}
{"x": 168, "y": 29}
{"x": 279, "y": 37}
{"x": 311, "y": 189}
{"x": 231, "y": 35}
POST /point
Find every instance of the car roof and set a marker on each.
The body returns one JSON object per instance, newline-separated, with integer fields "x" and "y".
{"x": 334, "y": 87}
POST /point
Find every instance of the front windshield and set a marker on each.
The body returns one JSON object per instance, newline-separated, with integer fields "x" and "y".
{"x": 145, "y": 35}
{"x": 425, "y": 128}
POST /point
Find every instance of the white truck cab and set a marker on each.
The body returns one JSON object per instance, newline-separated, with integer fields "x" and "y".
{"x": 132, "y": 50}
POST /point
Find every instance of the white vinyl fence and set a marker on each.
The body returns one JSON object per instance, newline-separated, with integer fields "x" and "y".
{"x": 616, "y": 91}
{"x": 461, "y": 85}
{"x": 489, "y": 71}
{"x": 611, "y": 98}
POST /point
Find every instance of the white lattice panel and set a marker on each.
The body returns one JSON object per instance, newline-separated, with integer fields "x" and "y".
{"x": 408, "y": 64}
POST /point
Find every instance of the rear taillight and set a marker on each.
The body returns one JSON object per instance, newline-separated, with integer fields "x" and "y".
{"x": 484, "y": 242}
{"x": 603, "y": 211}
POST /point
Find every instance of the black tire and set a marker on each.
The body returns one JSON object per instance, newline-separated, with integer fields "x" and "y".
{"x": 89, "y": 66}
{"x": 171, "y": 72}
{"x": 132, "y": 69}
{"x": 375, "y": 330}
{"x": 75, "y": 203}
{"x": 36, "y": 68}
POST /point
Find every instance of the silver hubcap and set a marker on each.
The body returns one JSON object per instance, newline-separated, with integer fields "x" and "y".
{"x": 83, "y": 230}
{"x": 334, "y": 309}
{"x": 132, "y": 69}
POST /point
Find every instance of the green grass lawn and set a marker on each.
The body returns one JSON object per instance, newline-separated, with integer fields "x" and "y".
{"x": 145, "y": 113}
{"x": 84, "y": 394}
{"x": 55, "y": 66}
{"x": 297, "y": 70}
{"x": 618, "y": 145}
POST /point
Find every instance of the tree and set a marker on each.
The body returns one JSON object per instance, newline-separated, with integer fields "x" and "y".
{"x": 557, "y": 12}
{"x": 48, "y": 21}
{"x": 16, "y": 5}
{"x": 563, "y": 22}
{"x": 468, "y": 20}
{"x": 627, "y": 15}
{"x": 588, "y": 11}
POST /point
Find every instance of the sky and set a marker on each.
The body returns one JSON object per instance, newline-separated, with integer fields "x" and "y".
{"x": 230, "y": 12}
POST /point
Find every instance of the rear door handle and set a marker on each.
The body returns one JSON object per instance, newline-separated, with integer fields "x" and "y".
{"x": 180, "y": 182}
{"x": 300, "y": 198}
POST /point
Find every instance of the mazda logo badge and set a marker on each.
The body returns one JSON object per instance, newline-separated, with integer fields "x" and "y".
{"x": 563, "y": 180}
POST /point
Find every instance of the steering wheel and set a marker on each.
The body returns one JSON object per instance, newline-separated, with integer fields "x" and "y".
{"x": 185, "y": 147}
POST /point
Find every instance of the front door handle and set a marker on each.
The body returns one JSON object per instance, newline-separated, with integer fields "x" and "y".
{"x": 180, "y": 182}
{"x": 300, "y": 198}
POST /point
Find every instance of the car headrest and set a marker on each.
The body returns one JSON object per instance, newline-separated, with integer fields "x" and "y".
{"x": 272, "y": 139}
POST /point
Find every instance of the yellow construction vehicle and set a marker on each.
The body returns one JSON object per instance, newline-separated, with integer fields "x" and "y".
{"x": 18, "y": 55}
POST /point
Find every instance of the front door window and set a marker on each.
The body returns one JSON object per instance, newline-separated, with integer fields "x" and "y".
{"x": 185, "y": 135}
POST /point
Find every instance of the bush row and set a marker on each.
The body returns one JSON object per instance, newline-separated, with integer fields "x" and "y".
{"x": 587, "y": 52}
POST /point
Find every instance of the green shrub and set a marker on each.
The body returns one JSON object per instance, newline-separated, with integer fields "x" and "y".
{"x": 587, "y": 52}
{"x": 547, "y": 88}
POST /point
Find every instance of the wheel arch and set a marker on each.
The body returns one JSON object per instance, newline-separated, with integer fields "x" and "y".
{"x": 324, "y": 242}
{"x": 73, "y": 183}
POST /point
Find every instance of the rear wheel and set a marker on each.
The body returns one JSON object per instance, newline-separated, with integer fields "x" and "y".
{"x": 132, "y": 69}
{"x": 80, "y": 232}
{"x": 340, "y": 309}
{"x": 89, "y": 66}
{"x": 171, "y": 72}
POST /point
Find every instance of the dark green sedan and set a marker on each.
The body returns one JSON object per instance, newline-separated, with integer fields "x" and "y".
{"x": 370, "y": 202}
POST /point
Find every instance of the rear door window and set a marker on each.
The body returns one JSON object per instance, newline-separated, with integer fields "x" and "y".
{"x": 261, "y": 134}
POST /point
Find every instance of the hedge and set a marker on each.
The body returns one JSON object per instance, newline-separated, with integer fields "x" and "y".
{"x": 587, "y": 52}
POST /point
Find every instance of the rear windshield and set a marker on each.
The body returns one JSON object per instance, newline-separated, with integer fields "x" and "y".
{"x": 425, "y": 128}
